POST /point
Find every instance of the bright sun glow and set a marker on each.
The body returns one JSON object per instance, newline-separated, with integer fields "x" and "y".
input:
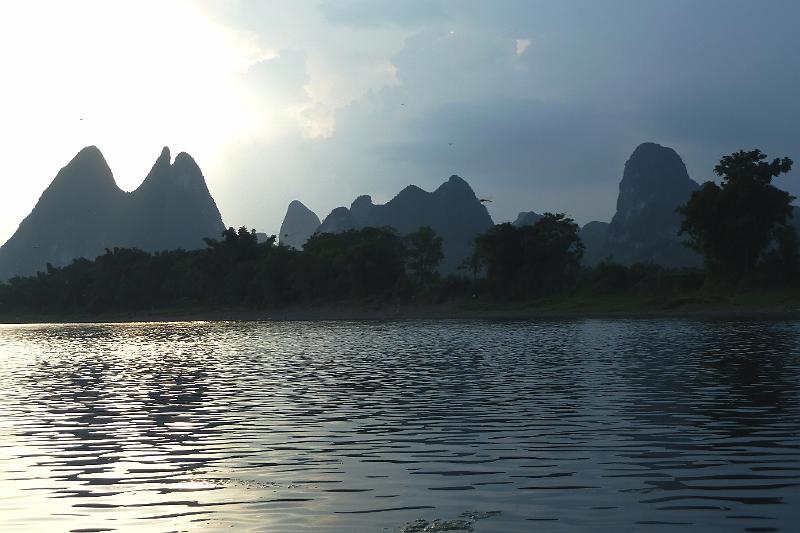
{"x": 129, "y": 78}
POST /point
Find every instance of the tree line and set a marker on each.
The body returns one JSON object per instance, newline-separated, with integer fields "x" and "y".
{"x": 740, "y": 226}
{"x": 236, "y": 270}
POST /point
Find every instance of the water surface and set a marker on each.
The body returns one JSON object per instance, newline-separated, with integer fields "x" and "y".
{"x": 585, "y": 425}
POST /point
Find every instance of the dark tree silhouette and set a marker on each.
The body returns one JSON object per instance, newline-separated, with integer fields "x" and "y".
{"x": 363, "y": 262}
{"x": 424, "y": 250}
{"x": 732, "y": 224}
{"x": 528, "y": 260}
{"x": 473, "y": 264}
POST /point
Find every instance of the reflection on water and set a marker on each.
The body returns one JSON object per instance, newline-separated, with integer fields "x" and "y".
{"x": 593, "y": 425}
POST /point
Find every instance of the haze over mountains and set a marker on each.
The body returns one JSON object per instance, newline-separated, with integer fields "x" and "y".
{"x": 645, "y": 227}
{"x": 452, "y": 210}
{"x": 83, "y": 212}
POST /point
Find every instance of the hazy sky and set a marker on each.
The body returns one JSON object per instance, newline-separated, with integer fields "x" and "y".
{"x": 537, "y": 104}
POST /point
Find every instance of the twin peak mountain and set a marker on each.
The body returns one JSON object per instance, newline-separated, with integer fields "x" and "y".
{"x": 83, "y": 212}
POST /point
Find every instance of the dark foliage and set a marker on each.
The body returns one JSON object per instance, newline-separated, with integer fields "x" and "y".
{"x": 641, "y": 278}
{"x": 734, "y": 224}
{"x": 235, "y": 270}
{"x": 424, "y": 254}
{"x": 740, "y": 226}
{"x": 529, "y": 260}
{"x": 354, "y": 263}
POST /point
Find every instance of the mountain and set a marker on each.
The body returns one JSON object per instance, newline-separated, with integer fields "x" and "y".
{"x": 69, "y": 220}
{"x": 298, "y": 225}
{"x": 593, "y": 235}
{"x": 83, "y": 212}
{"x": 527, "y": 218}
{"x": 645, "y": 227}
{"x": 173, "y": 207}
{"x": 452, "y": 210}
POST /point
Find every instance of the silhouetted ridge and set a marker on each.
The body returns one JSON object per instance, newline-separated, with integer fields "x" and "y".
{"x": 655, "y": 178}
{"x": 337, "y": 221}
{"x": 456, "y": 187}
{"x": 187, "y": 173}
{"x": 361, "y": 208}
{"x": 452, "y": 210}
{"x": 159, "y": 172}
{"x": 164, "y": 159}
{"x": 527, "y": 218}
{"x": 457, "y": 181}
{"x": 645, "y": 226}
{"x": 173, "y": 207}
{"x": 410, "y": 193}
{"x": 88, "y": 169}
{"x": 69, "y": 220}
{"x": 298, "y": 225}
{"x": 83, "y": 212}
{"x": 593, "y": 236}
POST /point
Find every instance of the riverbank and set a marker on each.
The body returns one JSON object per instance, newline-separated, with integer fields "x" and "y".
{"x": 750, "y": 304}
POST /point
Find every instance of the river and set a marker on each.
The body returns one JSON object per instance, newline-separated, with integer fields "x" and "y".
{"x": 490, "y": 426}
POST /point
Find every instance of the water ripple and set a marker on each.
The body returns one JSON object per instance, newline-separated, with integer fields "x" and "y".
{"x": 585, "y": 425}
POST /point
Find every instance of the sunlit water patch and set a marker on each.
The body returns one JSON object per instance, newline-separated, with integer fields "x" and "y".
{"x": 592, "y": 425}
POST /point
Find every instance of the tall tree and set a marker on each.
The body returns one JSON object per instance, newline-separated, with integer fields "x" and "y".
{"x": 424, "y": 250}
{"x": 531, "y": 259}
{"x": 733, "y": 223}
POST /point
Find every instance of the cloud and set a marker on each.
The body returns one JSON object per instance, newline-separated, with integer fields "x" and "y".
{"x": 412, "y": 97}
{"x": 282, "y": 77}
{"x": 371, "y": 13}
{"x": 537, "y": 103}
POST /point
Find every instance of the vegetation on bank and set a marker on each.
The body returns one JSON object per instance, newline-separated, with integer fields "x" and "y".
{"x": 740, "y": 227}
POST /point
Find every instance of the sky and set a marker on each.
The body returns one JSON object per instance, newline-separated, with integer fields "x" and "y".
{"x": 537, "y": 104}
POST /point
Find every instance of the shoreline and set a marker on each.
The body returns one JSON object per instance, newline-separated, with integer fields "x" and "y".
{"x": 388, "y": 312}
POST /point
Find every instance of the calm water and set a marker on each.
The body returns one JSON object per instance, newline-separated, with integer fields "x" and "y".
{"x": 591, "y": 425}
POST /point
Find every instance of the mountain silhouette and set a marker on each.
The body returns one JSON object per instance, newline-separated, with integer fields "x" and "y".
{"x": 173, "y": 207}
{"x": 298, "y": 225}
{"x": 452, "y": 210}
{"x": 527, "y": 218}
{"x": 83, "y": 212}
{"x": 645, "y": 226}
{"x": 593, "y": 235}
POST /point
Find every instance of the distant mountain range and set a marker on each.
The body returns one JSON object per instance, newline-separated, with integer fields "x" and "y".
{"x": 452, "y": 210}
{"x": 645, "y": 227}
{"x": 83, "y": 212}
